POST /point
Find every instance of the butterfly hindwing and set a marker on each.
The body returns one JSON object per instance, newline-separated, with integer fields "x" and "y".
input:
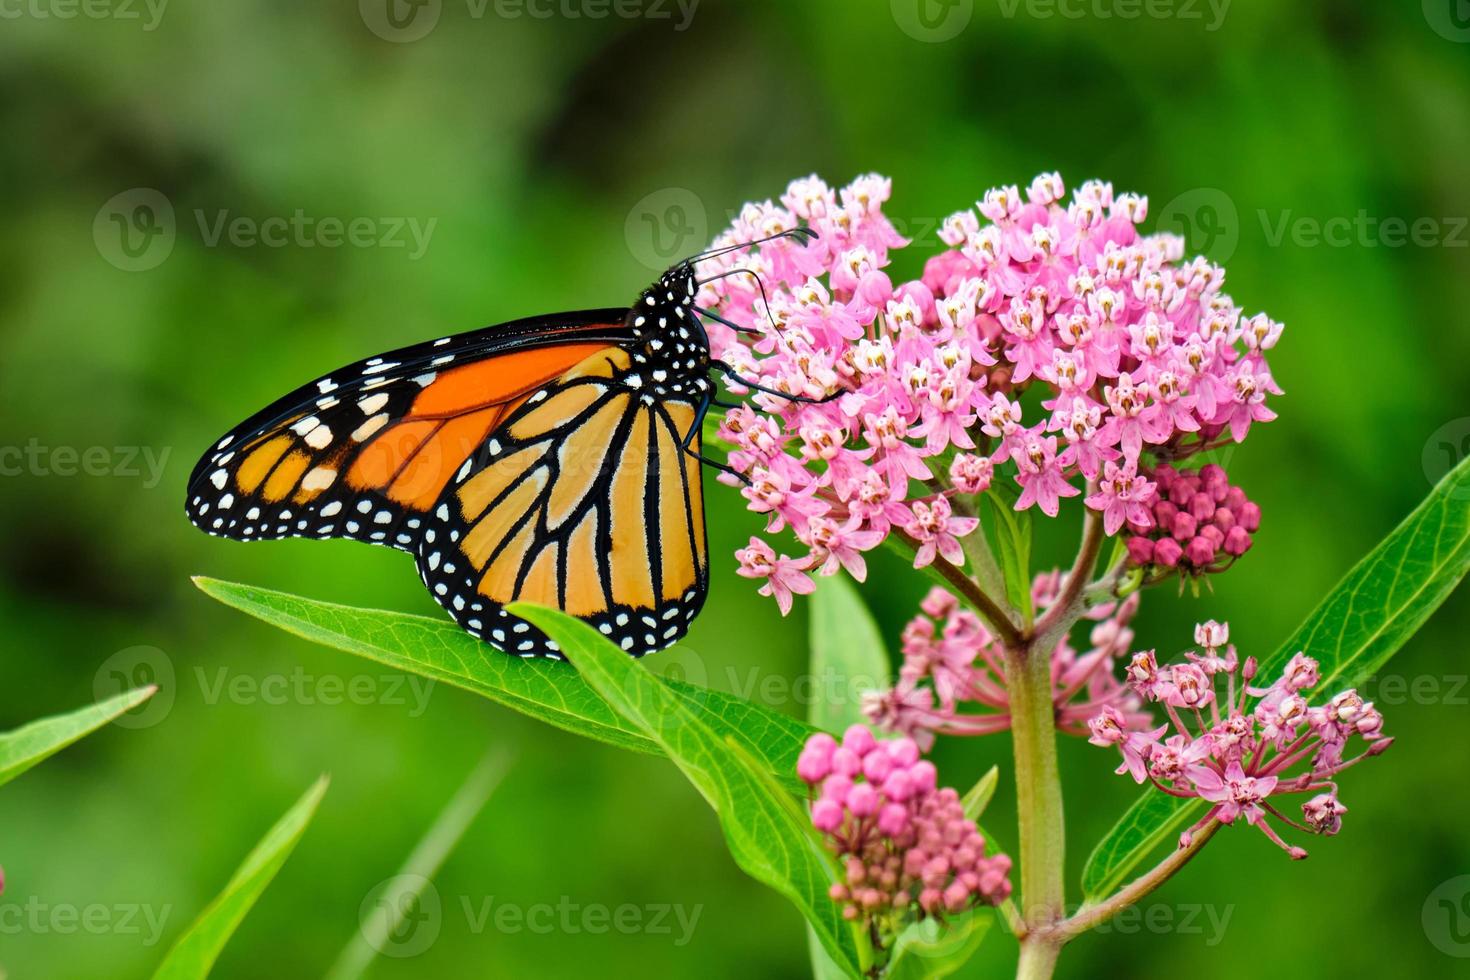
{"x": 585, "y": 500}
{"x": 365, "y": 452}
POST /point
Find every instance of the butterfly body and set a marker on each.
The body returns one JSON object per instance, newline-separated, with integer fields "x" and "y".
{"x": 551, "y": 460}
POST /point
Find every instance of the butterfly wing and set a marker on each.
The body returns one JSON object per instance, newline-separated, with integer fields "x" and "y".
{"x": 366, "y": 451}
{"x": 586, "y": 500}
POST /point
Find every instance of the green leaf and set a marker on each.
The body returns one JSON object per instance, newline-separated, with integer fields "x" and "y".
{"x": 1362, "y": 622}
{"x": 543, "y": 689}
{"x": 193, "y": 955}
{"x": 769, "y": 836}
{"x": 978, "y": 798}
{"x": 30, "y": 744}
{"x": 402, "y": 892}
{"x": 1011, "y": 531}
{"x": 927, "y": 950}
{"x": 1154, "y": 818}
{"x": 847, "y": 650}
{"x": 1388, "y": 595}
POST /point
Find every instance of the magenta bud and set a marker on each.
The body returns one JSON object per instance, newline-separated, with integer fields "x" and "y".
{"x": 1237, "y": 541}
{"x": 1200, "y": 552}
{"x": 826, "y": 815}
{"x": 858, "y": 740}
{"x": 925, "y": 776}
{"x": 877, "y": 766}
{"x": 898, "y": 786}
{"x": 903, "y": 751}
{"x": 1167, "y": 552}
{"x": 1250, "y": 516}
{"x": 835, "y": 787}
{"x": 846, "y": 762}
{"x": 1180, "y": 492}
{"x": 1224, "y": 518}
{"x": 893, "y": 820}
{"x": 1184, "y": 525}
{"x": 1235, "y": 499}
{"x": 821, "y": 742}
{"x": 862, "y": 800}
{"x": 1212, "y": 534}
{"x": 1212, "y": 474}
{"x": 1202, "y": 505}
{"x": 1164, "y": 512}
{"x": 1140, "y": 551}
{"x": 812, "y": 767}
{"x": 1164, "y": 475}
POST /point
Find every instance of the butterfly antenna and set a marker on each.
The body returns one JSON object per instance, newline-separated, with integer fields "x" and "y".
{"x": 761, "y": 284}
{"x": 802, "y": 235}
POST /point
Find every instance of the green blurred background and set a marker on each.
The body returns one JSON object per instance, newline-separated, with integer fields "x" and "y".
{"x": 560, "y": 158}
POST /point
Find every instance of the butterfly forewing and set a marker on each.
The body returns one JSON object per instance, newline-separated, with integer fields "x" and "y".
{"x": 364, "y": 452}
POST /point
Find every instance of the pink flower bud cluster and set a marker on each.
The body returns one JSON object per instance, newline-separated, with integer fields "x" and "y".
{"x": 904, "y": 843}
{"x": 911, "y": 392}
{"x": 1197, "y": 522}
{"x": 950, "y": 661}
{"x": 1239, "y": 747}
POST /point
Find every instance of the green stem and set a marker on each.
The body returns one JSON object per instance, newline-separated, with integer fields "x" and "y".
{"x": 1038, "y": 959}
{"x": 1038, "y": 799}
{"x": 1092, "y": 916}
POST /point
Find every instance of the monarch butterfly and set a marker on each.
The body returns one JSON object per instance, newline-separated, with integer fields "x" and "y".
{"x": 553, "y": 459}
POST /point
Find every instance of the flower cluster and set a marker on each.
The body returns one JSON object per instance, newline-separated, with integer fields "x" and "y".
{"x": 950, "y": 659}
{"x": 1196, "y": 522}
{"x": 1237, "y": 746}
{"x": 903, "y": 842}
{"x": 1050, "y": 344}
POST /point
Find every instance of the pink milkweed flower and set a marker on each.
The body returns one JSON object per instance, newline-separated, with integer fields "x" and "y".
{"x": 952, "y": 680}
{"x": 1135, "y": 350}
{"x": 936, "y": 529}
{"x": 1247, "y": 402}
{"x": 904, "y": 845}
{"x": 1236, "y": 755}
{"x": 1235, "y": 793}
{"x": 833, "y": 545}
{"x": 1109, "y": 727}
{"x": 1041, "y": 479}
{"x": 1122, "y": 497}
{"x": 784, "y": 577}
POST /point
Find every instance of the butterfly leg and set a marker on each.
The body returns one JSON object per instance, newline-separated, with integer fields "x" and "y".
{"x": 694, "y": 430}
{"x": 729, "y": 372}
{"x": 722, "y": 467}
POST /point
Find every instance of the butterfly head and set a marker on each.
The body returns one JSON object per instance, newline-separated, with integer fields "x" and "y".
{"x": 668, "y": 334}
